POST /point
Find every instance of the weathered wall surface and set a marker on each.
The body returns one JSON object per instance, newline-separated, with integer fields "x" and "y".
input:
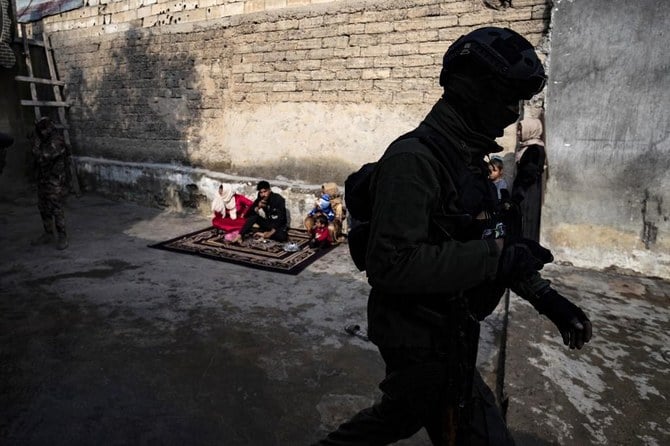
{"x": 301, "y": 93}
{"x": 608, "y": 124}
{"x": 297, "y": 92}
{"x": 306, "y": 92}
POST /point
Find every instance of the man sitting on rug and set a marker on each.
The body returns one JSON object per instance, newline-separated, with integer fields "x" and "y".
{"x": 266, "y": 217}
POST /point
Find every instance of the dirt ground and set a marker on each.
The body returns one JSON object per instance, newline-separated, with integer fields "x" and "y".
{"x": 112, "y": 343}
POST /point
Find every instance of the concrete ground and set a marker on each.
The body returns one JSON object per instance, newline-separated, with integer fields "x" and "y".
{"x": 113, "y": 343}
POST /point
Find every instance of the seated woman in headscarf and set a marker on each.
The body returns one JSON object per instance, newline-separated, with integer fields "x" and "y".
{"x": 229, "y": 209}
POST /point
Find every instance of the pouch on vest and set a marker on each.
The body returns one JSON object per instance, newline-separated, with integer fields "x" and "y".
{"x": 357, "y": 240}
{"x": 357, "y": 193}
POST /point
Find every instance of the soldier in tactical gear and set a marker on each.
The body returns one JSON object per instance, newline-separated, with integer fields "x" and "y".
{"x": 438, "y": 258}
{"x": 50, "y": 155}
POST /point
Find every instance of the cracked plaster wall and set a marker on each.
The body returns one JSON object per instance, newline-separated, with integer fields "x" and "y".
{"x": 608, "y": 126}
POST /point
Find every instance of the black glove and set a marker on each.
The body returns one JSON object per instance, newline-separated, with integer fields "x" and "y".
{"x": 571, "y": 321}
{"x": 539, "y": 252}
{"x": 521, "y": 258}
{"x": 511, "y": 216}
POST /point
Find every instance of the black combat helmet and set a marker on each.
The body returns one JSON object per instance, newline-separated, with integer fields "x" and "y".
{"x": 504, "y": 53}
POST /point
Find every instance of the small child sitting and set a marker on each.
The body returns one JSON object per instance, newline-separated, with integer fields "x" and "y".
{"x": 337, "y": 220}
{"x": 320, "y": 235}
{"x": 323, "y": 207}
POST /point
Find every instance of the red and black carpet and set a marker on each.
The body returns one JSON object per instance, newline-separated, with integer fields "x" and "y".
{"x": 254, "y": 253}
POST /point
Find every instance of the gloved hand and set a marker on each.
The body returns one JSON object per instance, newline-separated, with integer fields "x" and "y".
{"x": 519, "y": 259}
{"x": 511, "y": 214}
{"x": 571, "y": 321}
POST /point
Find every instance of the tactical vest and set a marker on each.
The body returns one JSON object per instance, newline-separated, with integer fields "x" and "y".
{"x": 476, "y": 197}
{"x": 475, "y": 213}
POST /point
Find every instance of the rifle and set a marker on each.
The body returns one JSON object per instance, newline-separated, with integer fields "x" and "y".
{"x": 460, "y": 344}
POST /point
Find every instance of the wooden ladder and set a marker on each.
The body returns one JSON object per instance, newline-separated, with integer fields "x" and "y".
{"x": 59, "y": 103}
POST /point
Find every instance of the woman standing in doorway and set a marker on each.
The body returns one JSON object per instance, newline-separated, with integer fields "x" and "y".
{"x": 527, "y": 188}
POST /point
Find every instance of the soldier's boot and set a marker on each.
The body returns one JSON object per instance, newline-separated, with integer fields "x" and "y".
{"x": 62, "y": 241}
{"x": 43, "y": 239}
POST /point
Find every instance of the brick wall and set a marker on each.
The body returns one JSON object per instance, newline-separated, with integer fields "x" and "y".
{"x": 295, "y": 89}
{"x": 7, "y": 58}
{"x": 123, "y": 14}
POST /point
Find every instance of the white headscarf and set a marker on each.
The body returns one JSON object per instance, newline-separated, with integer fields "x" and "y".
{"x": 225, "y": 199}
{"x": 531, "y": 134}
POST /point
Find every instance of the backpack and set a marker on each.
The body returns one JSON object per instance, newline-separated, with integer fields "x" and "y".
{"x": 359, "y": 206}
{"x": 356, "y": 193}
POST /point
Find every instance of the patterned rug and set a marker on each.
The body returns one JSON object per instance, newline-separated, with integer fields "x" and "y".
{"x": 254, "y": 253}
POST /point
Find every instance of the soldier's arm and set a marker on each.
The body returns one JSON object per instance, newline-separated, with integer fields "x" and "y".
{"x": 574, "y": 326}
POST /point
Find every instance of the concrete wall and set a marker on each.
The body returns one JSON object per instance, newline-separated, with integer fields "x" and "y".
{"x": 608, "y": 123}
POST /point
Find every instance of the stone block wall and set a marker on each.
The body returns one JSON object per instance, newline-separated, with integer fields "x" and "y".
{"x": 301, "y": 92}
{"x": 7, "y": 57}
{"x": 298, "y": 89}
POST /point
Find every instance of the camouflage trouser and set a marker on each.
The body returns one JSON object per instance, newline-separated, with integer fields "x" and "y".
{"x": 50, "y": 204}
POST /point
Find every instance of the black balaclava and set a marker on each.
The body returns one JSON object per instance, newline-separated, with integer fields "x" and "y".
{"x": 487, "y": 102}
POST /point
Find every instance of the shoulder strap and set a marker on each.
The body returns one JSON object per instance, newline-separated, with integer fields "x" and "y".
{"x": 474, "y": 193}
{"x": 439, "y": 148}
{"x": 444, "y": 152}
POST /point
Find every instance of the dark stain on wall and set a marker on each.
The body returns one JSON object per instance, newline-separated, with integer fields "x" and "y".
{"x": 191, "y": 197}
{"x": 112, "y": 110}
{"x": 316, "y": 170}
{"x": 651, "y": 207}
